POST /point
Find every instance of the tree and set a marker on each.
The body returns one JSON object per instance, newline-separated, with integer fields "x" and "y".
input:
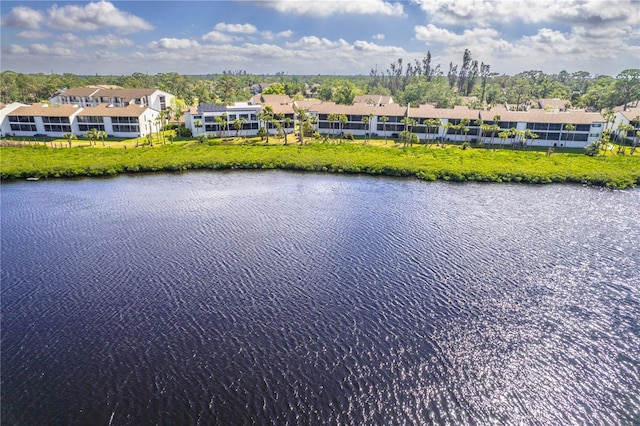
{"x": 366, "y": 120}
{"x": 529, "y": 136}
{"x": 342, "y": 119}
{"x": 198, "y": 126}
{"x": 408, "y": 138}
{"x": 332, "y": 118}
{"x": 504, "y": 135}
{"x": 227, "y": 86}
{"x": 344, "y": 92}
{"x": 237, "y": 126}
{"x": 92, "y": 135}
{"x": 431, "y": 124}
{"x": 464, "y": 127}
{"x": 222, "y": 122}
{"x": 628, "y": 86}
{"x": 303, "y": 117}
{"x": 569, "y": 128}
{"x": 609, "y": 118}
{"x": 623, "y": 131}
{"x": 266, "y": 116}
{"x": 479, "y": 123}
{"x": 102, "y": 135}
{"x": 384, "y": 119}
{"x": 69, "y": 137}
{"x": 485, "y": 72}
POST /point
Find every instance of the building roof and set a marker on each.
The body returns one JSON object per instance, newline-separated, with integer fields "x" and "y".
{"x": 126, "y": 94}
{"x": 542, "y": 116}
{"x": 456, "y": 113}
{"x": 373, "y": 99}
{"x": 553, "y": 103}
{"x": 44, "y": 110}
{"x": 357, "y": 109}
{"x": 630, "y": 113}
{"x": 80, "y": 91}
{"x": 282, "y": 109}
{"x": 109, "y": 92}
{"x": 202, "y": 108}
{"x": 271, "y": 99}
{"x": 113, "y": 111}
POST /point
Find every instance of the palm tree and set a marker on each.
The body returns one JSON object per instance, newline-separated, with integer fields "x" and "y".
{"x": 158, "y": 123}
{"x": 430, "y": 126}
{"x": 69, "y": 137}
{"x": 623, "y": 131}
{"x": 479, "y": 123}
{"x": 102, "y": 135}
{"x": 384, "y": 120}
{"x": 226, "y": 122}
{"x": 493, "y": 128}
{"x": 343, "y": 120}
{"x": 266, "y": 116}
{"x": 504, "y": 135}
{"x": 366, "y": 120}
{"x": 92, "y": 135}
{"x": 243, "y": 121}
{"x": 448, "y": 126}
{"x": 529, "y": 136}
{"x": 464, "y": 127}
{"x": 221, "y": 124}
{"x": 198, "y": 126}
{"x": 237, "y": 125}
{"x": 302, "y": 119}
{"x": 332, "y": 118}
{"x": 569, "y": 128}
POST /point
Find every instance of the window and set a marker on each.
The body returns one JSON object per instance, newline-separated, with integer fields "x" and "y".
{"x": 21, "y": 119}
{"x": 18, "y": 127}
{"x": 123, "y": 128}
{"x": 582, "y": 128}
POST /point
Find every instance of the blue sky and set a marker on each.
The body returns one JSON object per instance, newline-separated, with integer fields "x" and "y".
{"x": 317, "y": 37}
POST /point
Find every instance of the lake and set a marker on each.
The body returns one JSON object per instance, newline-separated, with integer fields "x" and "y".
{"x": 289, "y": 298}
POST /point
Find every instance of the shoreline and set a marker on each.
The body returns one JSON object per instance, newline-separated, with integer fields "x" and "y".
{"x": 445, "y": 164}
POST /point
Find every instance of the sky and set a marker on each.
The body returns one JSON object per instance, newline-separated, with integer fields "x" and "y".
{"x": 341, "y": 37}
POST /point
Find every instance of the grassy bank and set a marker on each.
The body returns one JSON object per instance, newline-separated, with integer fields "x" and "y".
{"x": 450, "y": 163}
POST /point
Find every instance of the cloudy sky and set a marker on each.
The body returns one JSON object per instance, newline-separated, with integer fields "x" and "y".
{"x": 317, "y": 37}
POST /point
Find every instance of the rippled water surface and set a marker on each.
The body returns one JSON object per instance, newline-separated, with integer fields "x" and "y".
{"x": 280, "y": 298}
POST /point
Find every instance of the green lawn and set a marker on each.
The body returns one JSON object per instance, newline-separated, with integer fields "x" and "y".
{"x": 451, "y": 163}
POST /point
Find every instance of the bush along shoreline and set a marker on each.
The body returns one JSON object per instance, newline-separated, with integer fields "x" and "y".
{"x": 446, "y": 164}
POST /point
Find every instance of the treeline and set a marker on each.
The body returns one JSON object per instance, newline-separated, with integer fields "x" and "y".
{"x": 471, "y": 82}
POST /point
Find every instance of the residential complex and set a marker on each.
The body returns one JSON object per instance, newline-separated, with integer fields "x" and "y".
{"x": 376, "y": 115}
{"x": 140, "y": 112}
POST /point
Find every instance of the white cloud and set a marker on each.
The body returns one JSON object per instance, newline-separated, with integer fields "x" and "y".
{"x": 312, "y": 42}
{"x": 69, "y": 38}
{"x": 22, "y": 17}
{"x": 474, "y": 37}
{"x": 218, "y": 37}
{"x": 109, "y": 41}
{"x": 174, "y": 43}
{"x": 17, "y": 50}
{"x": 58, "y": 51}
{"x": 378, "y": 37}
{"x": 34, "y": 35}
{"x": 236, "y": 28}
{"x": 334, "y": 7}
{"x": 95, "y": 16}
{"x": 284, "y": 34}
{"x": 485, "y": 12}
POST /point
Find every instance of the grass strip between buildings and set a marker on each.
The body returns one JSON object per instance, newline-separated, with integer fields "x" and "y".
{"x": 449, "y": 164}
